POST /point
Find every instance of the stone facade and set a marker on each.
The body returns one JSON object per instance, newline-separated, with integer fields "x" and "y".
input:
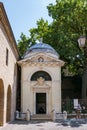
{"x": 35, "y": 67}
{"x": 8, "y": 69}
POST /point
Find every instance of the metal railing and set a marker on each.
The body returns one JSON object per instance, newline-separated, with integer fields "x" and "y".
{"x": 68, "y": 105}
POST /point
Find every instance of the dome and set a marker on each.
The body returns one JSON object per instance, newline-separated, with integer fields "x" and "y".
{"x": 41, "y": 47}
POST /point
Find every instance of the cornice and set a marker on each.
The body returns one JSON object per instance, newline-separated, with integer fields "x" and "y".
{"x": 43, "y": 64}
{"x": 48, "y": 61}
{"x": 5, "y": 22}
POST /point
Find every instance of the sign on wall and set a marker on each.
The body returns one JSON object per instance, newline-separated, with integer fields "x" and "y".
{"x": 75, "y": 103}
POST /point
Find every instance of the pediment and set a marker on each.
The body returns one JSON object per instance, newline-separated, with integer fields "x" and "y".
{"x": 41, "y": 58}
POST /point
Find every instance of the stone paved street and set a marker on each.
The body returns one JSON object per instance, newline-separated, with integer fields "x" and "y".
{"x": 48, "y": 125}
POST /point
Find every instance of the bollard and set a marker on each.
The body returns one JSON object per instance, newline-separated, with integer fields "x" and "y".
{"x": 17, "y": 114}
{"x": 54, "y": 115}
{"x": 64, "y": 115}
{"x": 28, "y": 115}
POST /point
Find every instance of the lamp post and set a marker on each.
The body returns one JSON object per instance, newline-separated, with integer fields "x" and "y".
{"x": 82, "y": 44}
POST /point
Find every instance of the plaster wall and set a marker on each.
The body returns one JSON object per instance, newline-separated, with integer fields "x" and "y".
{"x": 7, "y": 72}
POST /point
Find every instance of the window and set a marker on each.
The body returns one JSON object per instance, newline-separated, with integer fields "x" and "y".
{"x": 40, "y": 59}
{"x": 6, "y": 56}
{"x": 39, "y": 74}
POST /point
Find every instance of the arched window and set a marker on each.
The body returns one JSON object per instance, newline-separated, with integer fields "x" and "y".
{"x": 39, "y": 74}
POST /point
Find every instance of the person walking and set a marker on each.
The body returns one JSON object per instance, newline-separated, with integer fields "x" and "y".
{"x": 78, "y": 112}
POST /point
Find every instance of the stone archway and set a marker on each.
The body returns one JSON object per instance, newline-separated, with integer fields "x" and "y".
{"x": 8, "y": 114}
{"x": 1, "y": 102}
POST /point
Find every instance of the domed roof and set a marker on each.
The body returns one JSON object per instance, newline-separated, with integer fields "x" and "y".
{"x": 40, "y": 47}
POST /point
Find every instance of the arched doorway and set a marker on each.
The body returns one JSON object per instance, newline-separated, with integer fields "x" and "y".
{"x": 8, "y": 115}
{"x": 1, "y": 102}
{"x": 41, "y": 91}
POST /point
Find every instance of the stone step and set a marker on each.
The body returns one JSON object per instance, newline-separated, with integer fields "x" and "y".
{"x": 41, "y": 117}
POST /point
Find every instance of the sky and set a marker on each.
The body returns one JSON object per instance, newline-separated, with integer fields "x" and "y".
{"x": 23, "y": 14}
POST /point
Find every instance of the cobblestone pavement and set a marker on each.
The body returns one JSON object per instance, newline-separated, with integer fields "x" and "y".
{"x": 46, "y": 125}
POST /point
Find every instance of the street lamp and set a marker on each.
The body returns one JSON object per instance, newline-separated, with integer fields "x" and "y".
{"x": 82, "y": 44}
{"x": 82, "y": 41}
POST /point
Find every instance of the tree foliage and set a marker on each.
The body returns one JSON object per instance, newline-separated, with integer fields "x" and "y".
{"x": 23, "y": 44}
{"x": 42, "y": 31}
{"x": 69, "y": 22}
